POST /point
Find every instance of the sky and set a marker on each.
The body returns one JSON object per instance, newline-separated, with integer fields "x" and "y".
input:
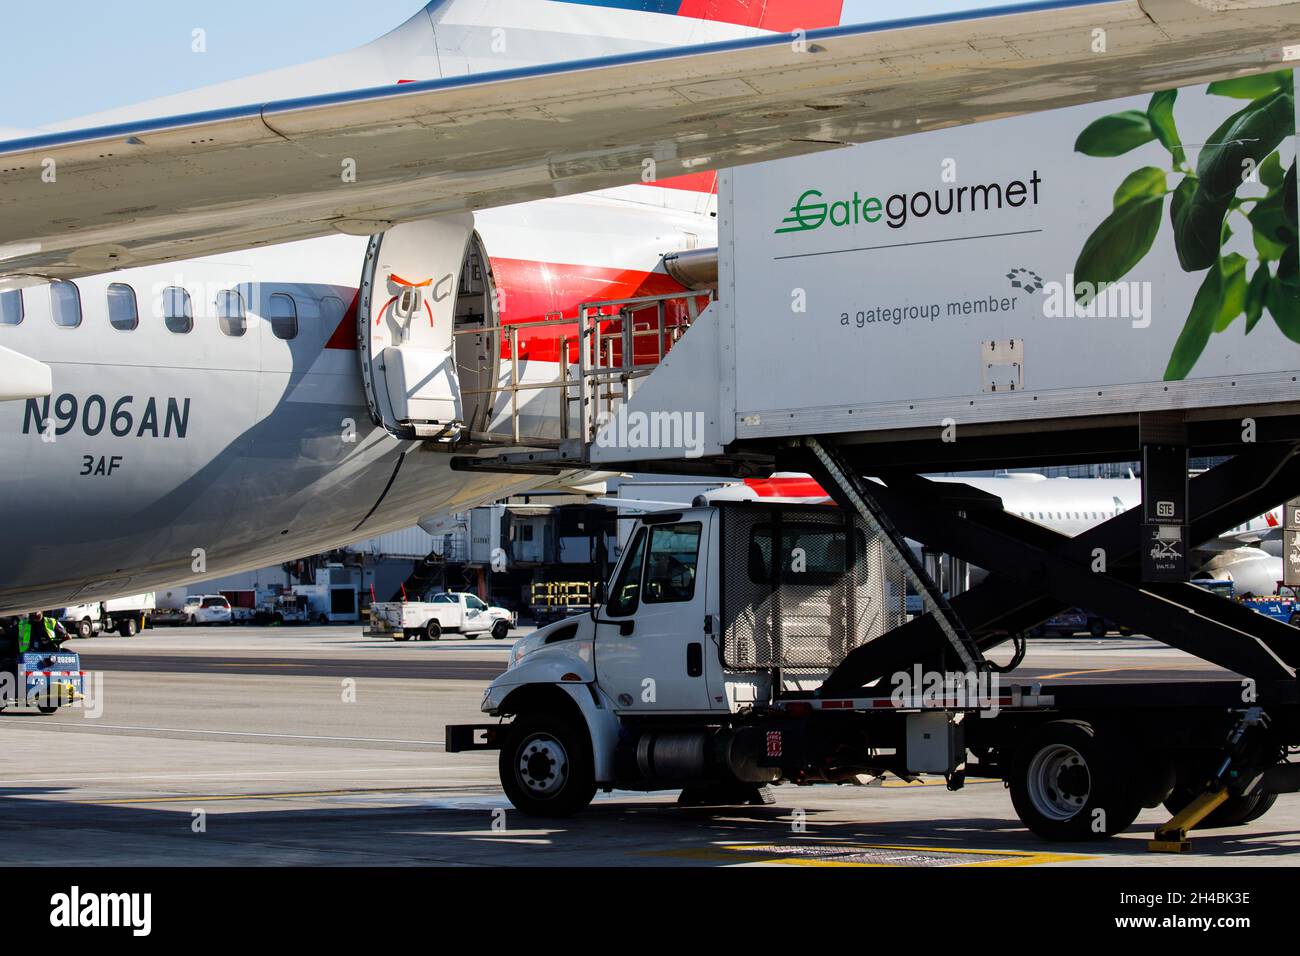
{"x": 66, "y": 58}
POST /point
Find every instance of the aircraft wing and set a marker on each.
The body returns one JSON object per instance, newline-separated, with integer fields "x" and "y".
{"x": 1241, "y": 539}
{"x": 22, "y": 377}
{"x": 93, "y": 200}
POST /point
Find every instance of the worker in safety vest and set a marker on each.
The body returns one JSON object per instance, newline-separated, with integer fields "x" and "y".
{"x": 39, "y": 633}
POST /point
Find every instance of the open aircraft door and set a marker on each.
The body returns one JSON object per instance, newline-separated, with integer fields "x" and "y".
{"x": 407, "y": 310}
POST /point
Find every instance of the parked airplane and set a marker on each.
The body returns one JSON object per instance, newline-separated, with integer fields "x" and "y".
{"x": 1248, "y": 555}
{"x": 187, "y": 398}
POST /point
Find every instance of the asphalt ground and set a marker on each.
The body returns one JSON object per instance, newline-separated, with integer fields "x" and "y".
{"x": 321, "y": 746}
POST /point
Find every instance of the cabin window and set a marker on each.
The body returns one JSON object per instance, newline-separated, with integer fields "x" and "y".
{"x": 331, "y": 313}
{"x": 670, "y": 566}
{"x": 230, "y": 313}
{"x": 625, "y": 595}
{"x": 65, "y": 304}
{"x": 284, "y": 316}
{"x": 11, "y": 308}
{"x": 178, "y": 310}
{"x": 123, "y": 314}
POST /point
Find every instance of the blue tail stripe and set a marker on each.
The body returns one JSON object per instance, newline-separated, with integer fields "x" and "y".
{"x": 648, "y": 6}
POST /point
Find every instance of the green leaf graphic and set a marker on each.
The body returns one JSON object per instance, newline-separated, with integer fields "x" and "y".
{"x": 1271, "y": 173}
{"x": 1115, "y": 134}
{"x": 1233, "y": 270}
{"x": 1147, "y": 181}
{"x": 1200, "y": 323}
{"x": 1247, "y": 136}
{"x": 1120, "y": 242}
{"x": 1160, "y": 114}
{"x": 1284, "y": 294}
{"x": 1257, "y": 295}
{"x": 1247, "y": 87}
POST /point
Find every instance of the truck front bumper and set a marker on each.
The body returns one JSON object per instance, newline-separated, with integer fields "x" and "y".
{"x": 463, "y": 737}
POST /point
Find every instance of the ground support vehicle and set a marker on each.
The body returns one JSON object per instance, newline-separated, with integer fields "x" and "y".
{"x": 555, "y": 600}
{"x": 284, "y": 607}
{"x": 451, "y": 612}
{"x": 748, "y": 644}
{"x": 1281, "y": 606}
{"x": 43, "y": 679}
{"x": 81, "y": 620}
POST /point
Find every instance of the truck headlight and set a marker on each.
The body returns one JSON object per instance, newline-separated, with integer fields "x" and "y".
{"x": 518, "y": 653}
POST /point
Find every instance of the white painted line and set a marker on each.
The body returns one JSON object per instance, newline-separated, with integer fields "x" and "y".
{"x": 251, "y": 774}
{"x": 246, "y": 733}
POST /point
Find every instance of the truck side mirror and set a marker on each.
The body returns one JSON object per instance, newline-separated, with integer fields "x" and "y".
{"x": 598, "y": 594}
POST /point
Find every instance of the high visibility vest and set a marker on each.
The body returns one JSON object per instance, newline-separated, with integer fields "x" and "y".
{"x": 25, "y": 633}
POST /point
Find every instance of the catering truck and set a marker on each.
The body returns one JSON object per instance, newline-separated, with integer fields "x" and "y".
{"x": 1122, "y": 286}
{"x": 737, "y": 645}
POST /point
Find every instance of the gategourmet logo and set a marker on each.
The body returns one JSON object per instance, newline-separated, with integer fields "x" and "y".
{"x": 812, "y": 211}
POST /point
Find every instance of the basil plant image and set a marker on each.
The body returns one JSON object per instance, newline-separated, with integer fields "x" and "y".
{"x": 1235, "y": 185}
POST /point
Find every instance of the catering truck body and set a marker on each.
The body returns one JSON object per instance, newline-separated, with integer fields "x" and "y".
{"x": 1122, "y": 285}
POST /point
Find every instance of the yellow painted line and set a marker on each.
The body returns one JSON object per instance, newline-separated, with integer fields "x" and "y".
{"x": 749, "y": 853}
{"x": 1099, "y": 670}
{"x": 894, "y": 782}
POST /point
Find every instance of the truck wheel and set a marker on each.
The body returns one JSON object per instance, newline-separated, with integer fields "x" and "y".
{"x": 1098, "y": 629}
{"x": 84, "y": 628}
{"x": 127, "y": 627}
{"x": 1295, "y": 620}
{"x": 432, "y": 631}
{"x": 1236, "y": 811}
{"x": 46, "y": 710}
{"x": 546, "y": 767}
{"x": 1066, "y": 785}
{"x": 500, "y": 629}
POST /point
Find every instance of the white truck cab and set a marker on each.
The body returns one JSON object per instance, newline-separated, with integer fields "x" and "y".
{"x": 742, "y": 644}
{"x": 652, "y": 690}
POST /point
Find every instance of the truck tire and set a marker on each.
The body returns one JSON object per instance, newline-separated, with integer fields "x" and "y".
{"x": 546, "y": 766}
{"x": 500, "y": 630}
{"x": 1295, "y": 620}
{"x": 1098, "y": 629}
{"x": 1236, "y": 811}
{"x": 127, "y": 627}
{"x": 85, "y": 628}
{"x": 432, "y": 630}
{"x": 1068, "y": 785}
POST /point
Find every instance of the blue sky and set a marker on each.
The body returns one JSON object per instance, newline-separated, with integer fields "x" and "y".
{"x": 67, "y": 58}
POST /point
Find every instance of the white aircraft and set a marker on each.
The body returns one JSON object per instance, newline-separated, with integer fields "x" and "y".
{"x": 1249, "y": 555}
{"x": 227, "y": 316}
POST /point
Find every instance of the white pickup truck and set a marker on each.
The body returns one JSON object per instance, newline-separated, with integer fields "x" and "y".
{"x": 452, "y": 611}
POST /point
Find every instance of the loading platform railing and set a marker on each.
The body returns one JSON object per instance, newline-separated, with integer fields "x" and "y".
{"x": 618, "y": 342}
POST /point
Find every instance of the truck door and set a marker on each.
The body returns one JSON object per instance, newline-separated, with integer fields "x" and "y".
{"x": 651, "y": 644}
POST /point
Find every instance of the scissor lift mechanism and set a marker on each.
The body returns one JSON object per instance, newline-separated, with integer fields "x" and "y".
{"x": 1034, "y": 572}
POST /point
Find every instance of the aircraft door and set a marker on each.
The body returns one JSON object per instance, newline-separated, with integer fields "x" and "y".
{"x": 407, "y": 312}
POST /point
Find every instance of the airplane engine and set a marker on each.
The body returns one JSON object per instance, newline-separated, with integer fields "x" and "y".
{"x": 1252, "y": 570}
